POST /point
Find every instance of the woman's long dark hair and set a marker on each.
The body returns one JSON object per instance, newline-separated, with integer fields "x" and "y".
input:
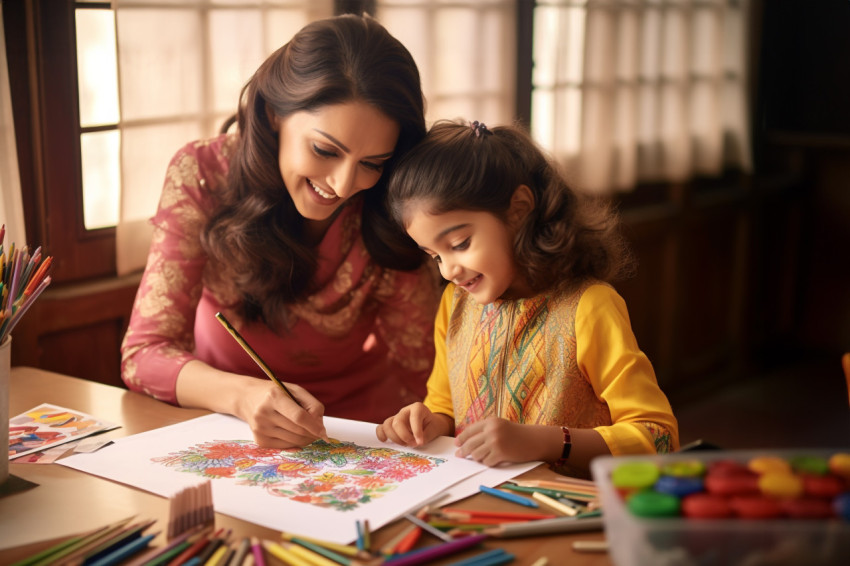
{"x": 256, "y": 231}
{"x": 568, "y": 237}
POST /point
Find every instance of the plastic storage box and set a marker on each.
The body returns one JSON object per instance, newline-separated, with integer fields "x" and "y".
{"x": 637, "y": 541}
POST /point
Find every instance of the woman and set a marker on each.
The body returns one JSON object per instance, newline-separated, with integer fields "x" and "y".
{"x": 282, "y": 227}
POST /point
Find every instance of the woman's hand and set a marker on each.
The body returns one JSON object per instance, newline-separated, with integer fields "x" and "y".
{"x": 279, "y": 422}
{"x": 414, "y": 425}
{"x": 495, "y": 441}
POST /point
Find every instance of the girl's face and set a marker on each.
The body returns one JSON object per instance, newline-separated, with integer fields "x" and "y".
{"x": 473, "y": 249}
{"x": 329, "y": 155}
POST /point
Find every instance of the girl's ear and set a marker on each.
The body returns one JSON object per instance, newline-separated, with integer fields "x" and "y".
{"x": 522, "y": 203}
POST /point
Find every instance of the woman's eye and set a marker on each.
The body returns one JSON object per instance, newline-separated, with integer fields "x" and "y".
{"x": 373, "y": 166}
{"x": 462, "y": 246}
{"x": 323, "y": 152}
{"x": 437, "y": 259}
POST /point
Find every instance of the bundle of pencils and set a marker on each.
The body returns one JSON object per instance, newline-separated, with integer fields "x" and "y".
{"x": 24, "y": 278}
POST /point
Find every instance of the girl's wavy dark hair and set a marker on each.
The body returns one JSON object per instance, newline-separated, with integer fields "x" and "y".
{"x": 567, "y": 238}
{"x": 256, "y": 231}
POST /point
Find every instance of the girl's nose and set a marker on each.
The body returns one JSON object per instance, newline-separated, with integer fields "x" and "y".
{"x": 449, "y": 270}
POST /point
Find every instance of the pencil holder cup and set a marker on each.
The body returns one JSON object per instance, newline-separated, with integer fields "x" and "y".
{"x": 5, "y": 368}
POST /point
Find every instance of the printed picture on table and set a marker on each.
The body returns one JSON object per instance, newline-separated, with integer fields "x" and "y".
{"x": 47, "y": 425}
{"x": 335, "y": 475}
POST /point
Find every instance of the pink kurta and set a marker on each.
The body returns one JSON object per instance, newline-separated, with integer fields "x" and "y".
{"x": 362, "y": 344}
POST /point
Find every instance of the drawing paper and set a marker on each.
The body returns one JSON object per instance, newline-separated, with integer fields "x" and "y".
{"x": 320, "y": 490}
{"x": 48, "y": 425}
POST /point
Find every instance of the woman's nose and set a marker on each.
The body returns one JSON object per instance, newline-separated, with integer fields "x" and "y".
{"x": 343, "y": 180}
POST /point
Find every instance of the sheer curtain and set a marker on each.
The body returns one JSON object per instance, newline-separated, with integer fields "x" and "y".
{"x": 465, "y": 51}
{"x": 641, "y": 90}
{"x": 181, "y": 65}
{"x": 11, "y": 205}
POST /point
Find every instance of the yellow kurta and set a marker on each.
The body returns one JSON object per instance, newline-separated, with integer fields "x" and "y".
{"x": 563, "y": 359}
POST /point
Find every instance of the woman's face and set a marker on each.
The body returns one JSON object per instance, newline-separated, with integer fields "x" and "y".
{"x": 328, "y": 155}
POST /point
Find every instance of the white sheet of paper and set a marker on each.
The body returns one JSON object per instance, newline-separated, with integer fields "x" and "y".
{"x": 130, "y": 460}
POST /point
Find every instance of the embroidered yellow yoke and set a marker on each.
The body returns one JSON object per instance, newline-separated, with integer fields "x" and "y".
{"x": 567, "y": 360}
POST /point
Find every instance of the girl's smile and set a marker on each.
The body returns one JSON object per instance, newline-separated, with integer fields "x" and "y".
{"x": 474, "y": 250}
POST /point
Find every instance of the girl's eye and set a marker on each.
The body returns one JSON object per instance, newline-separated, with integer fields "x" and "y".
{"x": 462, "y": 246}
{"x": 323, "y": 152}
{"x": 437, "y": 259}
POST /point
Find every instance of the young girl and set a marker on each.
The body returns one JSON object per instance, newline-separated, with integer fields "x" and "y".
{"x": 536, "y": 359}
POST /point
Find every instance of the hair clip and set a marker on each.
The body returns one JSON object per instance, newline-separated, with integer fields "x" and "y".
{"x": 479, "y": 129}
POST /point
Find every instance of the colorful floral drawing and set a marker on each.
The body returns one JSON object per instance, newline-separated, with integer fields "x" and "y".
{"x": 336, "y": 475}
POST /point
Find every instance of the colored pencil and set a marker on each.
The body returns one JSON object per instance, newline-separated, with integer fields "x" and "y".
{"x": 566, "y": 484}
{"x": 254, "y": 356}
{"x": 546, "y": 526}
{"x": 552, "y": 492}
{"x": 194, "y": 549}
{"x": 125, "y": 551}
{"x": 285, "y": 555}
{"x": 336, "y": 547}
{"x": 155, "y": 553}
{"x": 428, "y": 528}
{"x": 82, "y": 543}
{"x": 23, "y": 277}
{"x": 118, "y": 539}
{"x": 468, "y": 514}
{"x": 55, "y": 549}
{"x": 327, "y": 553}
{"x": 555, "y": 505}
{"x": 240, "y": 553}
{"x": 257, "y": 551}
{"x": 215, "y": 543}
{"x": 489, "y": 558}
{"x": 508, "y": 496}
{"x": 428, "y": 554}
{"x": 215, "y": 558}
{"x": 314, "y": 558}
{"x": 408, "y": 541}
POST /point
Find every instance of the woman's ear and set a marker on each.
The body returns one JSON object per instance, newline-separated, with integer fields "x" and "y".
{"x": 522, "y": 203}
{"x": 272, "y": 118}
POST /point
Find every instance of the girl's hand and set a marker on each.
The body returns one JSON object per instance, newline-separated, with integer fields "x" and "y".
{"x": 277, "y": 421}
{"x": 414, "y": 425}
{"x": 495, "y": 441}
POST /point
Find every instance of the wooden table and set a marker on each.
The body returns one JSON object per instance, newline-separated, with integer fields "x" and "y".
{"x": 68, "y": 501}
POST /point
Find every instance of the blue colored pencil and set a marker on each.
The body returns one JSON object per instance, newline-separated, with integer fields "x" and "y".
{"x": 509, "y": 496}
{"x": 489, "y": 558}
{"x": 126, "y": 551}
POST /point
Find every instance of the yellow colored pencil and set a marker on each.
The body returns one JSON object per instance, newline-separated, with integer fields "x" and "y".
{"x": 336, "y": 547}
{"x": 217, "y": 556}
{"x": 287, "y": 556}
{"x": 312, "y": 557}
{"x": 554, "y": 505}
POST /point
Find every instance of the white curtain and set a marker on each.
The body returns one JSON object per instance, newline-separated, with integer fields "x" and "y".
{"x": 466, "y": 54}
{"x": 11, "y": 205}
{"x": 642, "y": 90}
{"x": 181, "y": 65}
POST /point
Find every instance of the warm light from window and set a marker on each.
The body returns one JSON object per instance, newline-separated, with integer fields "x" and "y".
{"x": 97, "y": 75}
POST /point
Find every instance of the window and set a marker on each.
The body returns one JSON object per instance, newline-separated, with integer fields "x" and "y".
{"x": 630, "y": 91}
{"x": 72, "y": 128}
